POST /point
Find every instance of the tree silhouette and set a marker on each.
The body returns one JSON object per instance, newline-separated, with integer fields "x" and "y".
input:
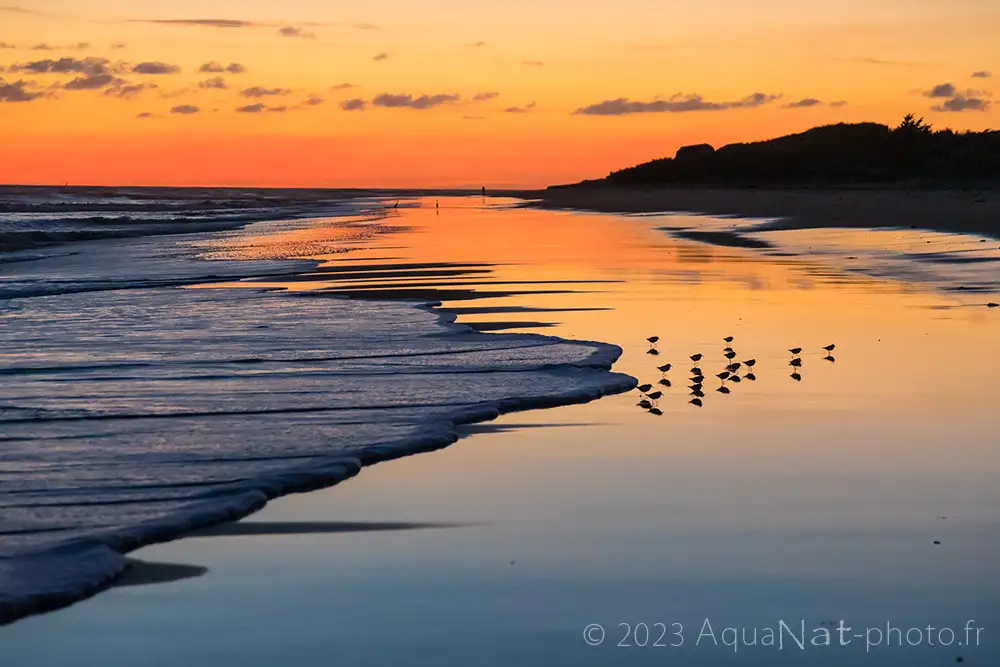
{"x": 913, "y": 125}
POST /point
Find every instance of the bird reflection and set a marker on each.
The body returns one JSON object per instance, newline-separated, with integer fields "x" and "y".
{"x": 696, "y": 401}
{"x": 796, "y": 376}
{"x": 829, "y": 358}
{"x": 666, "y": 383}
{"x": 750, "y": 377}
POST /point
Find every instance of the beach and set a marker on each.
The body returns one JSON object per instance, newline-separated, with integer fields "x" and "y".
{"x": 864, "y": 490}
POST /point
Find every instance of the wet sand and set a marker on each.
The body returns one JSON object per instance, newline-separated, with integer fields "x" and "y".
{"x": 817, "y": 499}
{"x": 969, "y": 211}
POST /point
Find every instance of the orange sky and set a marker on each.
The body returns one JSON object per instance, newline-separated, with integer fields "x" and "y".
{"x": 701, "y": 61}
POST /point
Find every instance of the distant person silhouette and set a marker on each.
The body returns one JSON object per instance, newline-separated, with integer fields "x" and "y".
{"x": 484, "y": 190}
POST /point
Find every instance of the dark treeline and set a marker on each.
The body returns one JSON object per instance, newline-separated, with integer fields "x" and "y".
{"x": 843, "y": 154}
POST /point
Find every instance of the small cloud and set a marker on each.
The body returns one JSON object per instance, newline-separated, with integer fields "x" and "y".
{"x": 478, "y": 45}
{"x": 313, "y": 101}
{"x": 93, "y": 82}
{"x": 209, "y": 23}
{"x": 366, "y": 26}
{"x": 962, "y": 103}
{"x": 155, "y": 68}
{"x": 344, "y": 86}
{"x": 252, "y": 108}
{"x": 839, "y": 103}
{"x": 88, "y": 66}
{"x": 485, "y": 97}
{"x": 409, "y": 102}
{"x": 472, "y": 117}
{"x": 185, "y": 109}
{"x": 380, "y": 57}
{"x": 216, "y": 82}
{"x": 356, "y": 104}
{"x": 6, "y": 45}
{"x": 277, "y": 109}
{"x": 17, "y": 10}
{"x": 942, "y": 90}
{"x": 676, "y": 104}
{"x": 524, "y": 109}
{"x": 16, "y": 91}
{"x": 982, "y": 75}
{"x": 880, "y": 61}
{"x": 533, "y": 63}
{"x": 259, "y": 91}
{"x": 292, "y": 31}
{"x": 125, "y": 90}
{"x": 804, "y": 103}
{"x": 41, "y": 47}
{"x": 144, "y": 114}
{"x": 118, "y": 45}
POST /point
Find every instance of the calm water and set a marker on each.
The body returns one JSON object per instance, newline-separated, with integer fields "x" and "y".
{"x": 810, "y": 500}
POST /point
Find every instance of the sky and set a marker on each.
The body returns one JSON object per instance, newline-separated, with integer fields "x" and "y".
{"x": 454, "y": 93}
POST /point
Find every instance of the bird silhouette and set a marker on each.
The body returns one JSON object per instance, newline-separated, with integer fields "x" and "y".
{"x": 750, "y": 363}
{"x": 656, "y": 395}
{"x": 795, "y": 350}
{"x": 656, "y": 411}
{"x": 735, "y": 366}
{"x": 727, "y": 349}
{"x": 728, "y": 339}
{"x": 698, "y": 393}
{"x": 665, "y": 382}
{"x": 829, "y": 358}
{"x": 664, "y": 368}
{"x": 723, "y": 375}
{"x": 695, "y": 357}
{"x": 653, "y": 340}
{"x": 696, "y": 371}
{"x": 796, "y": 377}
{"x": 730, "y": 355}
{"x": 644, "y": 387}
{"x": 696, "y": 401}
{"x": 830, "y": 347}
{"x": 644, "y": 404}
{"x": 653, "y": 351}
{"x": 795, "y": 362}
{"x": 694, "y": 387}
{"x": 736, "y": 378}
{"x": 723, "y": 390}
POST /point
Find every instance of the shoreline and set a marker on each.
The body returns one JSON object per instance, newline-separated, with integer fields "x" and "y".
{"x": 967, "y": 212}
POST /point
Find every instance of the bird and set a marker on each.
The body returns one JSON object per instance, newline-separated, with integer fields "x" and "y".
{"x": 698, "y": 393}
{"x": 750, "y": 363}
{"x": 696, "y": 401}
{"x": 695, "y": 358}
{"x": 723, "y": 375}
{"x": 664, "y": 368}
{"x": 656, "y": 395}
{"x": 727, "y": 350}
{"x": 695, "y": 387}
{"x": 736, "y": 378}
{"x": 728, "y": 339}
{"x": 644, "y": 387}
{"x": 665, "y": 382}
{"x": 653, "y": 339}
{"x": 723, "y": 390}
{"x": 655, "y": 411}
{"x": 644, "y": 404}
{"x": 795, "y": 362}
{"x": 795, "y": 350}
{"x": 734, "y": 366}
{"x": 796, "y": 377}
{"x": 696, "y": 371}
{"x": 729, "y": 355}
{"x": 830, "y": 347}
{"x": 750, "y": 376}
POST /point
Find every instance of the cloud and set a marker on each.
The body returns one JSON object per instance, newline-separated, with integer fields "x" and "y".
{"x": 380, "y": 57}
{"x": 804, "y": 103}
{"x": 129, "y": 90}
{"x": 185, "y": 109}
{"x": 357, "y": 104}
{"x": 213, "y": 67}
{"x": 16, "y": 92}
{"x": 216, "y": 82}
{"x": 942, "y": 90}
{"x": 292, "y": 31}
{"x": 281, "y": 109}
{"x": 409, "y": 102}
{"x": 144, "y": 114}
{"x": 18, "y": 10}
{"x": 983, "y": 74}
{"x": 478, "y": 45}
{"x": 524, "y": 109}
{"x": 962, "y": 103}
{"x": 676, "y": 104}
{"x": 533, "y": 63}
{"x": 839, "y": 103}
{"x": 879, "y": 61}
{"x": 7, "y": 45}
{"x": 344, "y": 86}
{"x": 93, "y": 82}
{"x": 118, "y": 45}
{"x": 485, "y": 97}
{"x": 155, "y": 68}
{"x": 252, "y": 108}
{"x": 259, "y": 91}
{"x": 366, "y": 26}
{"x": 472, "y": 117}
{"x": 210, "y": 23}
{"x": 313, "y": 101}
{"x": 88, "y": 66}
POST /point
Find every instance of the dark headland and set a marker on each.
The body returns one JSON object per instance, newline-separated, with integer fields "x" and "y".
{"x": 844, "y": 175}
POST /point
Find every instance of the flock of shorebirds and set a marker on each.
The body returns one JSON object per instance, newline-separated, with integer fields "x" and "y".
{"x": 731, "y": 374}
